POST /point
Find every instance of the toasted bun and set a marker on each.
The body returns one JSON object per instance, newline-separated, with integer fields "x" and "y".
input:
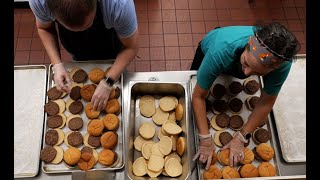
{"x": 229, "y": 172}
{"x": 95, "y": 127}
{"x": 179, "y": 112}
{"x": 109, "y": 140}
{"x": 266, "y": 169}
{"x": 223, "y": 157}
{"x": 113, "y": 107}
{"x": 95, "y": 75}
{"x": 181, "y": 145}
{"x": 72, "y": 156}
{"x": 111, "y": 122}
{"x": 265, "y": 151}
{"x": 107, "y": 157}
{"x": 212, "y": 173}
{"x": 249, "y": 170}
{"x": 248, "y": 156}
{"x": 90, "y": 113}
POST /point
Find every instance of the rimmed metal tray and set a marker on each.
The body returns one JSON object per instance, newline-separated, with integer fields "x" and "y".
{"x": 223, "y": 79}
{"x": 119, "y": 149}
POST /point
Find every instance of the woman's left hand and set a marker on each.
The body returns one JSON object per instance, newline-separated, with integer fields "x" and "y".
{"x": 236, "y": 147}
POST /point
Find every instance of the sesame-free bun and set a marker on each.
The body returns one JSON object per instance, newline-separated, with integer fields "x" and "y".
{"x": 95, "y": 127}
{"x": 109, "y": 140}
{"x": 72, "y": 156}
{"x": 266, "y": 169}
{"x": 229, "y": 172}
{"x": 212, "y": 173}
{"x": 265, "y": 151}
{"x": 248, "y": 156}
{"x": 113, "y": 107}
{"x": 95, "y": 75}
{"x": 223, "y": 157}
{"x": 248, "y": 170}
{"x": 87, "y": 91}
{"x": 111, "y": 122}
{"x": 107, "y": 157}
{"x": 90, "y": 113}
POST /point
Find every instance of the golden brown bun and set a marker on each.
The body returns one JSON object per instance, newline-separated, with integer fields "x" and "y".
{"x": 113, "y": 107}
{"x": 109, "y": 140}
{"x": 179, "y": 112}
{"x": 107, "y": 157}
{"x": 87, "y": 91}
{"x": 111, "y": 122}
{"x": 72, "y": 156}
{"x": 266, "y": 169}
{"x": 248, "y": 156}
{"x": 214, "y": 158}
{"x": 229, "y": 172}
{"x": 223, "y": 157}
{"x": 249, "y": 170}
{"x": 86, "y": 162}
{"x": 212, "y": 173}
{"x": 115, "y": 93}
{"x": 181, "y": 145}
{"x": 265, "y": 151}
{"x": 95, "y": 75}
{"x": 91, "y": 114}
{"x": 95, "y": 127}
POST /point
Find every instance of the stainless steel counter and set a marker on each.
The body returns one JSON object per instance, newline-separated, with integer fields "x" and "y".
{"x": 287, "y": 170}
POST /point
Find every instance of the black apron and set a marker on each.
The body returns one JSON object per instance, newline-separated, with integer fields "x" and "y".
{"x": 95, "y": 43}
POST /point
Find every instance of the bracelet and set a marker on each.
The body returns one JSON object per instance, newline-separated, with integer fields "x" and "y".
{"x": 205, "y": 136}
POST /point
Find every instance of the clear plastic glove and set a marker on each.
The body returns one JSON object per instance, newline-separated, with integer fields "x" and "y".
{"x": 236, "y": 146}
{"x": 61, "y": 78}
{"x": 206, "y": 147}
{"x": 100, "y": 96}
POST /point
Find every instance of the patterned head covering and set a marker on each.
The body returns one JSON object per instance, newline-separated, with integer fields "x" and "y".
{"x": 263, "y": 54}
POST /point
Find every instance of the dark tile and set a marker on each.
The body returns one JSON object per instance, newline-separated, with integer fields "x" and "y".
{"x": 291, "y": 13}
{"x": 302, "y": 49}
{"x": 21, "y": 58}
{"x": 36, "y": 57}
{"x": 198, "y": 27}
{"x": 157, "y": 53}
{"x": 154, "y": 16}
{"x": 144, "y": 40}
{"x": 141, "y": 4}
{"x": 221, "y": 4}
{"x": 142, "y": 66}
{"x": 184, "y": 27}
{"x": 158, "y": 66}
{"x": 167, "y": 4}
{"x": 172, "y": 53}
{"x": 210, "y": 25}
{"x": 15, "y": 40}
{"x": 223, "y": 14}
{"x": 183, "y": 15}
{"x": 156, "y": 40}
{"x": 131, "y": 67}
{"x": 185, "y": 40}
{"x": 36, "y": 44}
{"x": 16, "y": 31}
{"x": 227, "y": 23}
{"x": 24, "y": 43}
{"x": 168, "y": 15}
{"x": 170, "y": 27}
{"x": 142, "y": 15}
{"x": 154, "y": 5}
{"x": 173, "y": 65}
{"x": 277, "y": 13}
{"x": 35, "y": 32}
{"x": 65, "y": 56}
{"x": 26, "y": 31}
{"x": 195, "y": 4}
{"x": 143, "y": 54}
{"x": 143, "y": 28}
{"x": 302, "y": 13}
{"x": 210, "y": 15}
{"x": 196, "y": 15}
{"x": 197, "y": 38}
{"x": 181, "y": 4}
{"x": 208, "y": 4}
{"x": 241, "y": 14}
{"x": 300, "y": 36}
{"x": 186, "y": 52}
{"x": 300, "y": 3}
{"x": 170, "y": 40}
{"x": 155, "y": 28}
{"x": 185, "y": 64}
{"x": 295, "y": 25}
{"x": 288, "y": 3}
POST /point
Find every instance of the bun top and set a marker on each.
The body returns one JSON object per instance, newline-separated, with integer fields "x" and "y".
{"x": 265, "y": 151}
{"x": 72, "y": 156}
{"x": 223, "y": 157}
{"x": 229, "y": 172}
{"x": 248, "y": 156}
{"x": 249, "y": 170}
{"x": 212, "y": 173}
{"x": 266, "y": 169}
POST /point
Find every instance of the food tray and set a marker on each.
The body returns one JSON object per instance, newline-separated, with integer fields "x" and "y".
{"x": 29, "y": 98}
{"x": 158, "y": 90}
{"x": 119, "y": 149}
{"x": 223, "y": 79}
{"x": 290, "y": 113}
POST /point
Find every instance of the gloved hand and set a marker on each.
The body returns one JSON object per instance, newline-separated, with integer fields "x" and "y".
{"x": 100, "y": 96}
{"x": 61, "y": 78}
{"x": 206, "y": 147}
{"x": 236, "y": 146}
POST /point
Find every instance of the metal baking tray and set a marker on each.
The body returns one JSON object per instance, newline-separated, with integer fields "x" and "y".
{"x": 119, "y": 149}
{"x": 29, "y": 98}
{"x": 135, "y": 119}
{"x": 222, "y": 79}
{"x": 291, "y": 120}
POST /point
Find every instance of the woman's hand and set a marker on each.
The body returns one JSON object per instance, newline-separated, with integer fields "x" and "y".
{"x": 206, "y": 147}
{"x": 101, "y": 96}
{"x": 236, "y": 146}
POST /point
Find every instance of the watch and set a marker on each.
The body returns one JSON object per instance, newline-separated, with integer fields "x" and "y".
{"x": 109, "y": 81}
{"x": 246, "y": 135}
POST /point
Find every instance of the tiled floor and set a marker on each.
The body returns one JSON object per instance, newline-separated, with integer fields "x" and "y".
{"x": 171, "y": 29}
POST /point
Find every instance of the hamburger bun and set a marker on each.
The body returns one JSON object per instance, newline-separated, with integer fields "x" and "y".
{"x": 266, "y": 169}
{"x": 72, "y": 156}
{"x": 212, "y": 173}
{"x": 109, "y": 140}
{"x": 95, "y": 127}
{"x": 248, "y": 170}
{"x": 107, "y": 157}
{"x": 223, "y": 157}
{"x": 229, "y": 172}
{"x": 248, "y": 156}
{"x": 265, "y": 151}
{"x": 95, "y": 75}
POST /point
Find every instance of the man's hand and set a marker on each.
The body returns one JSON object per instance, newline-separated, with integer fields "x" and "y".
{"x": 206, "y": 147}
{"x": 61, "y": 78}
{"x": 101, "y": 96}
{"x": 236, "y": 146}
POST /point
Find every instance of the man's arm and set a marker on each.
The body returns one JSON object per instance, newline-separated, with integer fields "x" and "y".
{"x": 199, "y": 108}
{"x": 48, "y": 35}
{"x": 124, "y": 58}
{"x": 260, "y": 112}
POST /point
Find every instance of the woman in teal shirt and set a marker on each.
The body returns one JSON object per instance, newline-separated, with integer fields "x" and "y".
{"x": 241, "y": 51}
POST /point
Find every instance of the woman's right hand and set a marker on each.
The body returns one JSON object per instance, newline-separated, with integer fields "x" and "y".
{"x": 61, "y": 77}
{"x": 206, "y": 147}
